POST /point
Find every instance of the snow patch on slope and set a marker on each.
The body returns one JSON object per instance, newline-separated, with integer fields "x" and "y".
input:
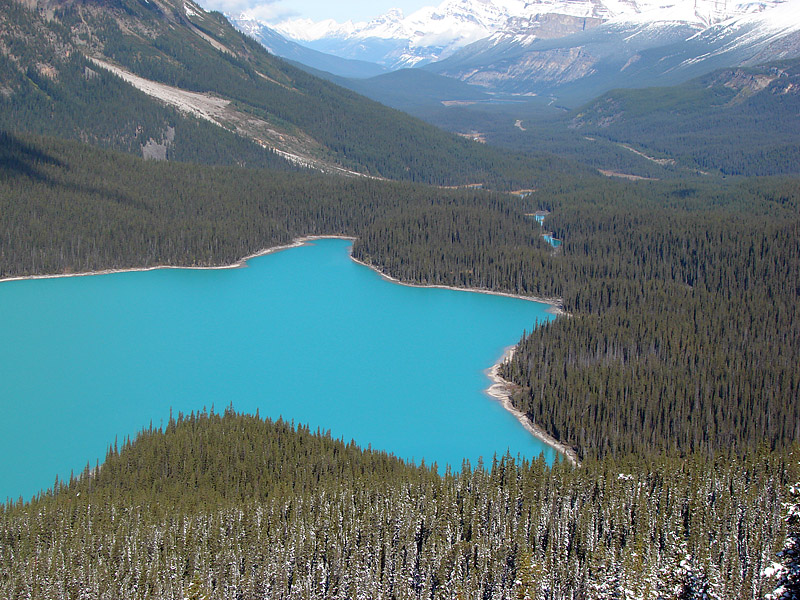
{"x": 436, "y": 32}
{"x": 753, "y": 31}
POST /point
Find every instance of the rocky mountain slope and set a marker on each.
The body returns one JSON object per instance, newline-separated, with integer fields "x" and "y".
{"x": 49, "y": 85}
{"x": 72, "y": 69}
{"x": 572, "y": 50}
{"x": 627, "y": 51}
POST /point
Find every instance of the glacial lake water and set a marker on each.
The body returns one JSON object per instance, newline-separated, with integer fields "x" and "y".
{"x": 555, "y": 243}
{"x": 306, "y": 334}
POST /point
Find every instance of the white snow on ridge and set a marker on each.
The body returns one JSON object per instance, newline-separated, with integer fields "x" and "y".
{"x": 755, "y": 30}
{"x": 783, "y": 18}
{"x": 429, "y": 26}
{"x": 306, "y": 30}
{"x": 190, "y": 10}
{"x": 701, "y": 13}
{"x": 469, "y": 20}
{"x": 435, "y": 32}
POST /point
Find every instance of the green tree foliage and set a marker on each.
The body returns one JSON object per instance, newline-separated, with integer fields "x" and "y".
{"x": 733, "y": 121}
{"x": 232, "y": 506}
{"x": 49, "y": 86}
{"x": 67, "y": 207}
{"x": 684, "y": 298}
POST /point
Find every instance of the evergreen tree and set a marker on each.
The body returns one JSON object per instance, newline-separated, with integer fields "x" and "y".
{"x": 695, "y": 583}
{"x": 529, "y": 582}
{"x": 788, "y": 571}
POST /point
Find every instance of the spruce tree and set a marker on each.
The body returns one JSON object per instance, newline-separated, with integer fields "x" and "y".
{"x": 788, "y": 571}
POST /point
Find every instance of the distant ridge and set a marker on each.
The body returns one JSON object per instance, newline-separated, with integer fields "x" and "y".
{"x": 573, "y": 50}
{"x": 278, "y": 45}
{"x": 212, "y": 94}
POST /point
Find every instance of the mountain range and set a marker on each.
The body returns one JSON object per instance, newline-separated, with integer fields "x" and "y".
{"x": 167, "y": 79}
{"x": 435, "y": 32}
{"x": 573, "y": 51}
{"x": 651, "y": 48}
{"x": 671, "y": 372}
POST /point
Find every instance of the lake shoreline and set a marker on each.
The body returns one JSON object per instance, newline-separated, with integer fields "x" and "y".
{"x": 554, "y": 303}
{"x": 242, "y": 262}
{"x": 502, "y": 389}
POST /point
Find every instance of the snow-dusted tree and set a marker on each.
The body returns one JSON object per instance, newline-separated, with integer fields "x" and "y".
{"x": 669, "y": 576}
{"x": 788, "y": 570}
{"x": 196, "y": 590}
{"x": 528, "y": 585}
{"x": 695, "y": 583}
{"x": 684, "y": 577}
{"x": 606, "y": 583}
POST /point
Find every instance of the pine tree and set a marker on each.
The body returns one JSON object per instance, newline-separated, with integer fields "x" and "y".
{"x": 528, "y": 585}
{"x": 788, "y": 571}
{"x": 607, "y": 583}
{"x": 196, "y": 590}
{"x": 695, "y": 582}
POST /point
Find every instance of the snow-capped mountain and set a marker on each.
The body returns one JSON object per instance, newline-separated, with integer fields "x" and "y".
{"x": 757, "y": 37}
{"x": 278, "y": 45}
{"x": 659, "y": 47}
{"x": 427, "y": 34}
{"x": 569, "y": 49}
{"x": 437, "y": 32}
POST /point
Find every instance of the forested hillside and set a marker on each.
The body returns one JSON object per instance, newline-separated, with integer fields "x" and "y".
{"x": 684, "y": 301}
{"x": 68, "y": 207}
{"x": 233, "y": 507}
{"x": 673, "y": 374}
{"x": 49, "y": 85}
{"x": 733, "y": 121}
{"x": 684, "y": 297}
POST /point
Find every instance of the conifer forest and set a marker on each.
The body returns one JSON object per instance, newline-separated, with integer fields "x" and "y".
{"x": 673, "y": 376}
{"x": 672, "y": 371}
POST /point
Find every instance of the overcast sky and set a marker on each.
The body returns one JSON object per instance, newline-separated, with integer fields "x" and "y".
{"x": 317, "y": 10}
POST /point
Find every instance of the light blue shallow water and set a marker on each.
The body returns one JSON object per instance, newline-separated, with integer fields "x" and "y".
{"x": 555, "y": 243}
{"x": 306, "y": 334}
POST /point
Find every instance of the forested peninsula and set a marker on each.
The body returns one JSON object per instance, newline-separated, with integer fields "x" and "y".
{"x": 675, "y": 379}
{"x": 230, "y": 506}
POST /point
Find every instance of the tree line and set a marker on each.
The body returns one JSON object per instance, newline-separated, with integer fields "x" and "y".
{"x": 684, "y": 297}
{"x": 231, "y": 506}
{"x": 50, "y": 87}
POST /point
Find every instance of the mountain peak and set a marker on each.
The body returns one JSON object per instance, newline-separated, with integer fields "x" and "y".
{"x": 436, "y": 32}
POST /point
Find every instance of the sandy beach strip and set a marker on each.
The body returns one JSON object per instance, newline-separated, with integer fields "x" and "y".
{"x": 555, "y": 303}
{"x": 502, "y": 390}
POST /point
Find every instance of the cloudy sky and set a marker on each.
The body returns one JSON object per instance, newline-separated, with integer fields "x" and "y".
{"x": 274, "y": 11}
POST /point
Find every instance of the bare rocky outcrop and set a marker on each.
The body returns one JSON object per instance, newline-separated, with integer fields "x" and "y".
{"x": 559, "y": 65}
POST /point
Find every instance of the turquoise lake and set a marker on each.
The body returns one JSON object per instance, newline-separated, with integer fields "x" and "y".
{"x": 305, "y": 334}
{"x": 555, "y": 243}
